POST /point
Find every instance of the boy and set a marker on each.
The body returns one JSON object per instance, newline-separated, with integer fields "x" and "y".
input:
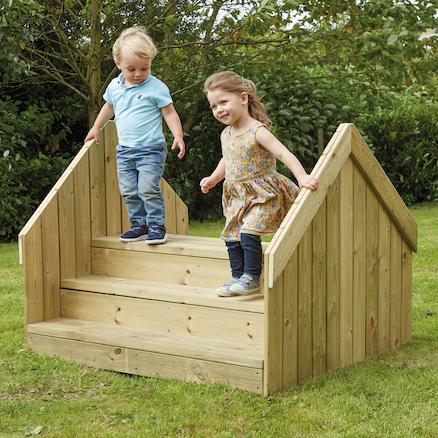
{"x": 139, "y": 101}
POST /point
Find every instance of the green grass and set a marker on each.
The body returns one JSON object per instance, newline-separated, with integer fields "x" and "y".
{"x": 393, "y": 395}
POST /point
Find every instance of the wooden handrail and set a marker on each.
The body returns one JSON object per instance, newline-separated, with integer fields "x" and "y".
{"x": 345, "y": 142}
{"x": 307, "y": 203}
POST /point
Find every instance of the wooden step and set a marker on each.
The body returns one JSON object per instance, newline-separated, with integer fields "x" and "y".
{"x": 184, "y": 260}
{"x": 194, "y": 295}
{"x": 192, "y": 246}
{"x": 131, "y": 350}
{"x": 88, "y": 299}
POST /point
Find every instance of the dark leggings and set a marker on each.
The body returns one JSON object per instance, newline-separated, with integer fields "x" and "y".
{"x": 246, "y": 255}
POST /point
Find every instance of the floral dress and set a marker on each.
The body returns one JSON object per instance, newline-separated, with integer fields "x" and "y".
{"x": 256, "y": 198}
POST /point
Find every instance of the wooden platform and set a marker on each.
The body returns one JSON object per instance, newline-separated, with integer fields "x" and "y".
{"x": 137, "y": 351}
{"x": 159, "y": 318}
{"x": 336, "y": 284}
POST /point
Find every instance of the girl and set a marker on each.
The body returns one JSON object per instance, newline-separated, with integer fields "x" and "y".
{"x": 255, "y": 197}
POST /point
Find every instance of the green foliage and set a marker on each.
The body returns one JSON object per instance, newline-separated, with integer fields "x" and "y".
{"x": 23, "y": 185}
{"x": 405, "y": 141}
{"x": 33, "y": 139}
{"x": 318, "y": 62}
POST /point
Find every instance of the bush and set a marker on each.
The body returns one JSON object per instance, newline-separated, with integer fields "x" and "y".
{"x": 38, "y": 137}
{"x": 405, "y": 141}
{"x": 23, "y": 185}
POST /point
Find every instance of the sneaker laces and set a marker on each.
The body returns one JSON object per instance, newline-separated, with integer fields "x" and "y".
{"x": 246, "y": 279}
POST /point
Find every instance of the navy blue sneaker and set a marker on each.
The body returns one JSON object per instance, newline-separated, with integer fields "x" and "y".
{"x": 135, "y": 234}
{"x": 157, "y": 234}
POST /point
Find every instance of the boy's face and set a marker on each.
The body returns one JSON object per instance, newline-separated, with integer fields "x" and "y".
{"x": 135, "y": 68}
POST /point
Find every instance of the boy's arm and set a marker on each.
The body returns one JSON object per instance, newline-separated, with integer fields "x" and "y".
{"x": 266, "y": 139}
{"x": 174, "y": 123}
{"x": 105, "y": 113}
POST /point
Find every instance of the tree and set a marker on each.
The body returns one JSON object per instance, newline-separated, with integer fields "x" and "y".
{"x": 69, "y": 41}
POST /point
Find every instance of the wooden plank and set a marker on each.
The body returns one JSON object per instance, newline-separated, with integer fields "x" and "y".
{"x": 182, "y": 218}
{"x": 332, "y": 144}
{"x": 169, "y": 198}
{"x": 55, "y": 188}
{"x": 82, "y": 217}
{"x": 177, "y": 245}
{"x": 346, "y": 265}
{"x": 196, "y": 347}
{"x": 359, "y": 265}
{"x": 273, "y": 363}
{"x": 319, "y": 292}
{"x": 306, "y": 205}
{"x": 174, "y": 293}
{"x": 290, "y": 322}
{"x": 50, "y": 257}
{"x": 305, "y": 306}
{"x": 244, "y": 327}
{"x": 372, "y": 273}
{"x": 113, "y": 209}
{"x": 156, "y": 267}
{"x": 33, "y": 274}
{"x": 97, "y": 187}
{"x": 132, "y": 361}
{"x": 396, "y": 293}
{"x": 384, "y": 281}
{"x": 384, "y": 189}
{"x": 126, "y": 223}
{"x": 67, "y": 233}
{"x": 406, "y": 328}
{"x": 333, "y": 275}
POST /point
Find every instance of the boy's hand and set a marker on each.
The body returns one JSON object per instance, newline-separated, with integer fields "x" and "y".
{"x": 93, "y": 133}
{"x": 206, "y": 184}
{"x": 178, "y": 142}
{"x": 308, "y": 182}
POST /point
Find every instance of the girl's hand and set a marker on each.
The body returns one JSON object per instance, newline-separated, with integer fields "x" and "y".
{"x": 178, "y": 142}
{"x": 206, "y": 184}
{"x": 93, "y": 133}
{"x": 308, "y": 182}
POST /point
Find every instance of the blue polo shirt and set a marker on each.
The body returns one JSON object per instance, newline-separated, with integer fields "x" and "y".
{"x": 137, "y": 110}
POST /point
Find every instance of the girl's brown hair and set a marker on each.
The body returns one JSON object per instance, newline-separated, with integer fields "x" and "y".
{"x": 234, "y": 83}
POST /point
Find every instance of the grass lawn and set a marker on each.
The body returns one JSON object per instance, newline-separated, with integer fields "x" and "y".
{"x": 393, "y": 395}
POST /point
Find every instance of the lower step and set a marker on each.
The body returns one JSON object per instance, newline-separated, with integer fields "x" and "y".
{"x": 139, "y": 352}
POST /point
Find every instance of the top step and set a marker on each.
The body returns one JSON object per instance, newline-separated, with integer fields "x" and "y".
{"x": 194, "y": 246}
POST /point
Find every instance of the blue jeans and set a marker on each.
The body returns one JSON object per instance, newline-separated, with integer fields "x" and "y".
{"x": 139, "y": 170}
{"x": 245, "y": 256}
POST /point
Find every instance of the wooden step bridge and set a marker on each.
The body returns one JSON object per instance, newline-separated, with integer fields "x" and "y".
{"x": 336, "y": 281}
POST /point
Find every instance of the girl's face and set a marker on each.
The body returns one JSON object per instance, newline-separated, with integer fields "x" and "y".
{"x": 135, "y": 68}
{"x": 227, "y": 107}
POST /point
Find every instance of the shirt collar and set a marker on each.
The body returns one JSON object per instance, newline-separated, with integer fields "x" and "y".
{"x": 121, "y": 81}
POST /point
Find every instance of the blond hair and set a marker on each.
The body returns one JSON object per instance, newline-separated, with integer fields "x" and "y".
{"x": 234, "y": 83}
{"x": 136, "y": 39}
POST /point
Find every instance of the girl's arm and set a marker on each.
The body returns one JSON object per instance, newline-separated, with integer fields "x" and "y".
{"x": 174, "y": 123}
{"x": 267, "y": 140}
{"x": 216, "y": 177}
{"x": 105, "y": 113}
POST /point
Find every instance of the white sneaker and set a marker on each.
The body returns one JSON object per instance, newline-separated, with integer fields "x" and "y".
{"x": 224, "y": 291}
{"x": 247, "y": 284}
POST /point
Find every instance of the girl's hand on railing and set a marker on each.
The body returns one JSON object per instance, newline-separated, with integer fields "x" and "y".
{"x": 308, "y": 182}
